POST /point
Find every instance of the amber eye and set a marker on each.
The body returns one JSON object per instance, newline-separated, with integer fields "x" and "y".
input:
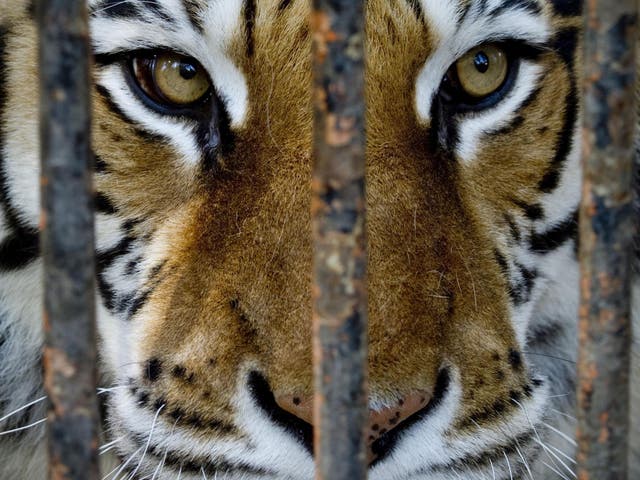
{"x": 482, "y": 71}
{"x": 171, "y": 79}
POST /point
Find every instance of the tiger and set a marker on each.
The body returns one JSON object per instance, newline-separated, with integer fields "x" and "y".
{"x": 202, "y": 143}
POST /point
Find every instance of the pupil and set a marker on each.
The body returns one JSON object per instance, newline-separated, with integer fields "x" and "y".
{"x": 188, "y": 71}
{"x": 481, "y": 62}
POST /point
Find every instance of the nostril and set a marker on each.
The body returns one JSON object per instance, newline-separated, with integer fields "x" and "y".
{"x": 295, "y": 424}
{"x": 384, "y": 443}
{"x": 301, "y": 407}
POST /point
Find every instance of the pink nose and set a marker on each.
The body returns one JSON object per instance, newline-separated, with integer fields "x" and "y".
{"x": 380, "y": 421}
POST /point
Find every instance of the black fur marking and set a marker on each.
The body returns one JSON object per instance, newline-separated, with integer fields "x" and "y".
{"x": 564, "y": 45}
{"x": 384, "y": 445}
{"x": 550, "y": 240}
{"x": 525, "y": 5}
{"x": 132, "y": 266}
{"x": 416, "y": 6}
{"x": 515, "y": 359}
{"x": 99, "y": 165}
{"x": 198, "y": 466}
{"x": 249, "y": 11}
{"x": 502, "y": 263}
{"x": 193, "y": 9}
{"x": 104, "y": 261}
{"x": 263, "y": 397}
{"x": 116, "y": 9}
{"x": 158, "y": 10}
{"x": 153, "y": 369}
{"x": 514, "y": 230}
{"x": 532, "y": 211}
{"x": 544, "y": 333}
{"x": 284, "y": 4}
{"x": 19, "y": 249}
{"x": 138, "y": 302}
{"x": 22, "y": 244}
{"x": 102, "y": 204}
{"x": 487, "y": 458}
{"x": 567, "y": 8}
{"x": 521, "y": 292}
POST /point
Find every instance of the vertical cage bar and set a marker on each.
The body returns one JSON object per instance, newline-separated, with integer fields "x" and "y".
{"x": 338, "y": 212}
{"x": 606, "y": 233}
{"x": 67, "y": 240}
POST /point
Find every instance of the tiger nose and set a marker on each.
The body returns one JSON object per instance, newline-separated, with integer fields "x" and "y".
{"x": 380, "y": 423}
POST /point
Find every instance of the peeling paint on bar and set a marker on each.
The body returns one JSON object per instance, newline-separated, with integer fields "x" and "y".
{"x": 338, "y": 210}
{"x": 606, "y": 233}
{"x": 67, "y": 240}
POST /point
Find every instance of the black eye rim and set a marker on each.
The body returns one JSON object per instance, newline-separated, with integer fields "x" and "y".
{"x": 457, "y": 101}
{"x": 195, "y": 110}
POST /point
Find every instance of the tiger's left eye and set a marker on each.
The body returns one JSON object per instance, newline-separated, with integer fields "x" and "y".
{"x": 171, "y": 79}
{"x": 479, "y": 73}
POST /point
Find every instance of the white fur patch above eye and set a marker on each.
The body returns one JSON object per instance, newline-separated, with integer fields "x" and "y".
{"x": 222, "y": 23}
{"x": 453, "y": 40}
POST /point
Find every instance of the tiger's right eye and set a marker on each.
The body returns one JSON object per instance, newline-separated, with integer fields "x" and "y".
{"x": 171, "y": 79}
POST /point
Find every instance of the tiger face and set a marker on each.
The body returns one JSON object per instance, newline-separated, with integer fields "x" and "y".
{"x": 202, "y": 137}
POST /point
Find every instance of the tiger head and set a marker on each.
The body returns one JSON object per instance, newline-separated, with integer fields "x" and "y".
{"x": 202, "y": 133}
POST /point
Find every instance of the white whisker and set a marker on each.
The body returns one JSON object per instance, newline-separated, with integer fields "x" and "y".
{"x": 38, "y": 400}
{"x": 563, "y": 435}
{"x": 204, "y": 475}
{"x": 524, "y": 461}
{"x": 570, "y": 417}
{"x": 508, "y": 464}
{"x": 562, "y": 453}
{"x": 19, "y": 429}
{"x": 493, "y": 470}
{"x": 111, "y": 443}
{"x": 166, "y": 452}
{"x": 566, "y": 467}
{"x": 146, "y": 447}
{"x": 102, "y": 390}
{"x": 122, "y": 467}
{"x": 535, "y": 430}
{"x": 555, "y": 471}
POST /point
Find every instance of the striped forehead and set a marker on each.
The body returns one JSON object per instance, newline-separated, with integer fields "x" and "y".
{"x": 447, "y": 18}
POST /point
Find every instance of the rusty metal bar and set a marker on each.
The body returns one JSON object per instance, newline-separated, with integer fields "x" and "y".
{"x": 606, "y": 233}
{"x": 67, "y": 240}
{"x": 338, "y": 211}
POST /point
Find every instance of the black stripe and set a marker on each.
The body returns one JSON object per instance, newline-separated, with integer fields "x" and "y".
{"x": 416, "y": 6}
{"x": 143, "y": 134}
{"x": 564, "y": 44}
{"x": 19, "y": 249}
{"x": 521, "y": 292}
{"x": 522, "y": 5}
{"x": 553, "y": 239}
{"x": 193, "y": 9}
{"x": 116, "y": 9}
{"x": 514, "y": 230}
{"x": 158, "y": 10}
{"x": 103, "y": 262}
{"x": 284, "y": 4}
{"x": 249, "y": 11}
{"x": 102, "y": 204}
{"x": 533, "y": 211}
{"x": 567, "y": 8}
{"x": 21, "y": 246}
{"x": 99, "y": 165}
